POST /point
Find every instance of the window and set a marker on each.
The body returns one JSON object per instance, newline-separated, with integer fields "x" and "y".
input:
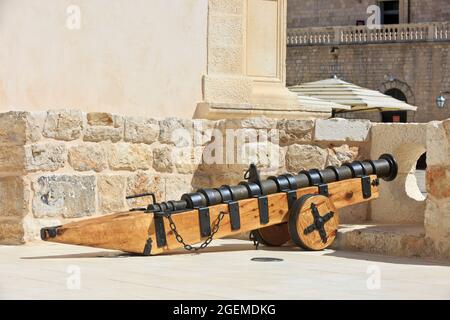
{"x": 390, "y": 12}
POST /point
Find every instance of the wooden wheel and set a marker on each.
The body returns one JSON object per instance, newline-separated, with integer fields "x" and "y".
{"x": 313, "y": 222}
{"x": 273, "y": 236}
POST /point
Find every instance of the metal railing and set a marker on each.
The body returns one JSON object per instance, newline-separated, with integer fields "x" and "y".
{"x": 362, "y": 34}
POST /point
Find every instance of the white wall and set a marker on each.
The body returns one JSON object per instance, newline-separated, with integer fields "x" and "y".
{"x": 140, "y": 57}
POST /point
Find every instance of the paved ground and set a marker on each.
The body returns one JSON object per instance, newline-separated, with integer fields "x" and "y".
{"x": 225, "y": 271}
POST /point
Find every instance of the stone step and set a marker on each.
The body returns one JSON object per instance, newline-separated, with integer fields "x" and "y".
{"x": 406, "y": 240}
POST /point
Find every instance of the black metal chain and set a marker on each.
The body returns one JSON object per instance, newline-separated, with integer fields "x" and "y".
{"x": 189, "y": 247}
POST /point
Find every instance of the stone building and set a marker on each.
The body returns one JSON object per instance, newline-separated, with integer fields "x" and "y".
{"x": 408, "y": 57}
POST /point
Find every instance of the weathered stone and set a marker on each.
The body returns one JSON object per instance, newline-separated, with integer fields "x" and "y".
{"x": 13, "y": 198}
{"x": 302, "y": 157}
{"x": 111, "y": 193}
{"x": 139, "y": 130}
{"x": 101, "y": 119}
{"x": 339, "y": 155}
{"x": 35, "y": 125}
{"x": 437, "y": 225}
{"x": 13, "y": 128}
{"x": 64, "y": 124}
{"x": 176, "y": 131}
{"x": 142, "y": 182}
{"x": 203, "y": 130}
{"x": 438, "y": 182}
{"x": 124, "y": 156}
{"x": 163, "y": 159}
{"x": 187, "y": 159}
{"x": 45, "y": 157}
{"x": 294, "y": 131}
{"x": 338, "y": 129}
{"x": 266, "y": 156}
{"x": 32, "y": 227}
{"x": 438, "y": 143}
{"x": 12, "y": 159}
{"x": 11, "y": 231}
{"x": 64, "y": 195}
{"x": 87, "y": 157}
{"x": 103, "y": 127}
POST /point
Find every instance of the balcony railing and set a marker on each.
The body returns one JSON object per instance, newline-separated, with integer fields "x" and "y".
{"x": 362, "y": 34}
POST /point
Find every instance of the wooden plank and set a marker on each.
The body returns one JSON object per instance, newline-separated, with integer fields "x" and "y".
{"x": 130, "y": 231}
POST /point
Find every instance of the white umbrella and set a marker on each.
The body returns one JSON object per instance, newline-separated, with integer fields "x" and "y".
{"x": 348, "y": 94}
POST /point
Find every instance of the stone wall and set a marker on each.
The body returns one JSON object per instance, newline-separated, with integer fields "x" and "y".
{"x": 61, "y": 165}
{"x": 325, "y": 13}
{"x": 420, "y": 70}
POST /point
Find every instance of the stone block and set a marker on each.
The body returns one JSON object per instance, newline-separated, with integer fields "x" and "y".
{"x": 64, "y": 195}
{"x": 338, "y": 129}
{"x": 64, "y": 125}
{"x": 342, "y": 154}
{"x": 295, "y": 131}
{"x": 227, "y": 89}
{"x": 176, "y": 131}
{"x": 35, "y": 125}
{"x": 438, "y": 143}
{"x": 103, "y": 127}
{"x": 12, "y": 159}
{"x": 226, "y": 7}
{"x": 303, "y": 157}
{"x": 13, "y": 128}
{"x": 141, "y": 130}
{"x": 45, "y": 156}
{"x": 163, "y": 159}
{"x": 143, "y": 182}
{"x": 13, "y": 197}
{"x": 11, "y": 231}
{"x": 125, "y": 156}
{"x": 87, "y": 157}
{"x": 111, "y": 193}
{"x": 438, "y": 182}
{"x": 203, "y": 131}
{"x": 225, "y": 31}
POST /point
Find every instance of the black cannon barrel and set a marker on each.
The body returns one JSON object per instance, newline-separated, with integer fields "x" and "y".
{"x": 385, "y": 167}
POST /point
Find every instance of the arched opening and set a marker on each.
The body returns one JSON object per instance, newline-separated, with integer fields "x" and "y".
{"x": 420, "y": 173}
{"x": 395, "y": 116}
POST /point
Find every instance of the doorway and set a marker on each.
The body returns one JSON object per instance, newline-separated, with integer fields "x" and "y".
{"x": 395, "y": 116}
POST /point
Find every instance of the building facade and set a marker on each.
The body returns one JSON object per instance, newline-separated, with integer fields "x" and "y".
{"x": 406, "y": 56}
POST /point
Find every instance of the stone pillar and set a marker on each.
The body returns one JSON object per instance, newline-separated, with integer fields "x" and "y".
{"x": 246, "y": 73}
{"x": 437, "y": 213}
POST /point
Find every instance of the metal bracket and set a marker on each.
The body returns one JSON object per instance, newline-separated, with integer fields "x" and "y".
{"x": 366, "y": 187}
{"x": 252, "y": 174}
{"x": 235, "y": 219}
{"x": 158, "y": 218}
{"x": 291, "y": 197}
{"x": 205, "y": 222}
{"x": 263, "y": 204}
{"x": 323, "y": 189}
{"x": 148, "y": 247}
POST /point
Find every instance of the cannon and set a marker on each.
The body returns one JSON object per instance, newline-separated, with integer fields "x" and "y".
{"x": 302, "y": 208}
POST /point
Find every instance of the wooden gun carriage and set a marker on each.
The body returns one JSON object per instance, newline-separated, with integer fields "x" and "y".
{"x": 302, "y": 208}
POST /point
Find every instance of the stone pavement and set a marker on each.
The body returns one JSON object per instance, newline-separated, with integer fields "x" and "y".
{"x": 225, "y": 271}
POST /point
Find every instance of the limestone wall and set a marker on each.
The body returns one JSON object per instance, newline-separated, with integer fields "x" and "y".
{"x": 324, "y": 13}
{"x": 57, "y": 166}
{"x": 419, "y": 70}
{"x": 61, "y": 165}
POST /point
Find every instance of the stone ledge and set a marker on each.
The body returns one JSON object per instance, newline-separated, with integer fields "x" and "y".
{"x": 407, "y": 240}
